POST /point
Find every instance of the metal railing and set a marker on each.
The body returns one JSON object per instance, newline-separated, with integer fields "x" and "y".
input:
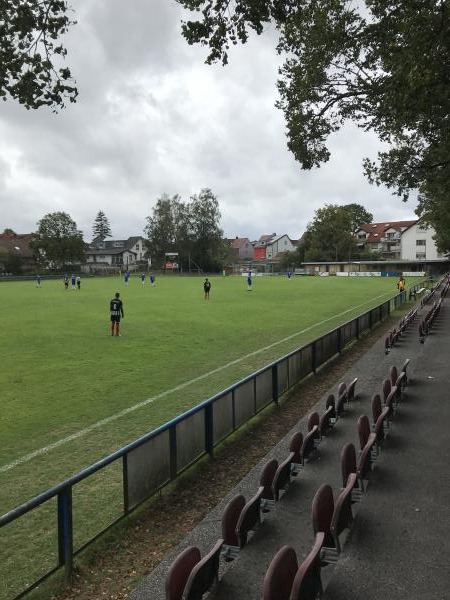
{"x": 157, "y": 458}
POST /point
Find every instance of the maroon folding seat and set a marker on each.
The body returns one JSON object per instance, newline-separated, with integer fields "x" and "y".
{"x": 266, "y": 480}
{"x": 308, "y": 582}
{"x": 179, "y": 572}
{"x": 295, "y": 446}
{"x": 280, "y": 575}
{"x": 204, "y": 574}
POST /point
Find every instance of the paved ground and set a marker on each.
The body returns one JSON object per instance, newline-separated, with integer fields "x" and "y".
{"x": 397, "y": 545}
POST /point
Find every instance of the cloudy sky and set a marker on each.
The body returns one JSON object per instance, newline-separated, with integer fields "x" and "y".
{"x": 151, "y": 118}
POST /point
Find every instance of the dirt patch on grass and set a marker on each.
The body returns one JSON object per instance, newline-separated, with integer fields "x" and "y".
{"x": 113, "y": 568}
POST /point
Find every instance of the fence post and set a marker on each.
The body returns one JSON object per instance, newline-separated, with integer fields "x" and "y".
{"x": 65, "y": 531}
{"x": 209, "y": 430}
{"x": 275, "y": 383}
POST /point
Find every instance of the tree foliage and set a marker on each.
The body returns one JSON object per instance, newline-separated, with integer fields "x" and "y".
{"x": 58, "y": 242}
{"x": 101, "y": 227}
{"x": 191, "y": 229}
{"x": 382, "y": 64}
{"x": 32, "y": 69}
{"x": 330, "y": 234}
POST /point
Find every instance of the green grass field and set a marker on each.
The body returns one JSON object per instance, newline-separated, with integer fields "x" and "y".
{"x": 63, "y": 374}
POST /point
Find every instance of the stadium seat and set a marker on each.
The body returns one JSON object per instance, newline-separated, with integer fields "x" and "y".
{"x": 332, "y": 518}
{"x": 231, "y": 514}
{"x": 204, "y": 574}
{"x": 330, "y": 404}
{"x": 250, "y": 517}
{"x": 404, "y": 368}
{"x": 179, "y": 572}
{"x": 238, "y": 519}
{"x": 314, "y": 421}
{"x": 348, "y": 466}
{"x": 280, "y": 575}
{"x": 295, "y": 447}
{"x": 309, "y": 445}
{"x": 266, "y": 481}
{"x": 365, "y": 462}
{"x": 341, "y": 399}
{"x": 325, "y": 424}
{"x": 351, "y": 390}
{"x": 308, "y": 582}
{"x": 282, "y": 476}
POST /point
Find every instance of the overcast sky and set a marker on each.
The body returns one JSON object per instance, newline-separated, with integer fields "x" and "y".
{"x": 151, "y": 117}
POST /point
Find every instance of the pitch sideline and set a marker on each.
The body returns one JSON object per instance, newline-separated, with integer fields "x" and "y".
{"x": 28, "y": 457}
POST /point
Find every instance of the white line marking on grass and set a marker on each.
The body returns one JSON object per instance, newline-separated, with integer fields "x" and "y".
{"x": 27, "y": 457}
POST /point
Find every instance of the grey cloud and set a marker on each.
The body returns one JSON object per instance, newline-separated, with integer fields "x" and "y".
{"x": 152, "y": 118}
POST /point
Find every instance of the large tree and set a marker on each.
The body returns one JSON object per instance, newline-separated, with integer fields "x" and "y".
{"x": 32, "y": 69}
{"x": 191, "y": 229}
{"x": 167, "y": 228}
{"x": 57, "y": 241}
{"x": 382, "y": 64}
{"x": 330, "y": 235}
{"x": 101, "y": 227}
{"x": 206, "y": 235}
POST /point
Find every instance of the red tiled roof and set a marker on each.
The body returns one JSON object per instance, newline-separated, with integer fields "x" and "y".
{"x": 239, "y": 242}
{"x": 377, "y": 230}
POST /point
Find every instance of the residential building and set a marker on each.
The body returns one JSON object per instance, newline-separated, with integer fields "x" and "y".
{"x": 278, "y": 245}
{"x": 260, "y": 247}
{"x": 102, "y": 254}
{"x": 242, "y": 248}
{"x": 417, "y": 243}
{"x": 382, "y": 238}
{"x": 15, "y": 251}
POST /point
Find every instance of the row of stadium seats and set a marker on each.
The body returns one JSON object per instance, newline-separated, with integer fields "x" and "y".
{"x": 331, "y": 517}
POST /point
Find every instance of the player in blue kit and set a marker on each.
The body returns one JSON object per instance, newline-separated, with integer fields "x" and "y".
{"x": 73, "y": 281}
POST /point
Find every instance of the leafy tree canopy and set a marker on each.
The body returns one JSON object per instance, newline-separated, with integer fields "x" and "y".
{"x": 330, "y": 234}
{"x": 191, "y": 229}
{"x": 382, "y": 64}
{"x": 32, "y": 69}
{"x": 101, "y": 226}
{"x": 58, "y": 242}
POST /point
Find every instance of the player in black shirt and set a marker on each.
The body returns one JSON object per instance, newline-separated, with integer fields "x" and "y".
{"x": 116, "y": 311}
{"x": 206, "y": 288}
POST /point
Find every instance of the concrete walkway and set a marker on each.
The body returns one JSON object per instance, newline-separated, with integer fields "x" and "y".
{"x": 396, "y": 548}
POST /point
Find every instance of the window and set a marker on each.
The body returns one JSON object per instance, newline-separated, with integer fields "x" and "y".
{"x": 421, "y": 242}
{"x": 421, "y": 255}
{"x": 118, "y": 244}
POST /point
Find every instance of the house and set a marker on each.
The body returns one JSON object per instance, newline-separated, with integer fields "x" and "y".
{"x": 279, "y": 244}
{"x": 103, "y": 255}
{"x": 16, "y": 253}
{"x": 260, "y": 247}
{"x": 242, "y": 248}
{"x": 382, "y": 238}
{"x": 417, "y": 243}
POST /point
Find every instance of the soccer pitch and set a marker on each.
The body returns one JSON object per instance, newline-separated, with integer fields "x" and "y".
{"x": 71, "y": 393}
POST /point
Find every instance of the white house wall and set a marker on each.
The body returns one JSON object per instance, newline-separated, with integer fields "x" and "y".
{"x": 282, "y": 244}
{"x": 418, "y": 244}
